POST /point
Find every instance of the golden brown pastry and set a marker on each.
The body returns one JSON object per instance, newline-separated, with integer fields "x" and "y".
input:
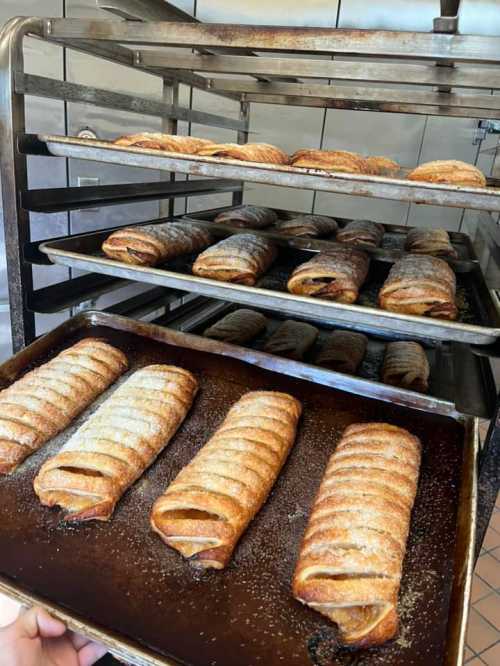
{"x": 241, "y": 258}
{"x": 154, "y": 244}
{"x": 336, "y": 275}
{"x": 452, "y": 172}
{"x": 435, "y": 242}
{"x": 420, "y": 285}
{"x": 308, "y": 226}
{"x": 382, "y": 166}
{"x": 248, "y": 217}
{"x": 169, "y": 142}
{"x": 117, "y": 443}
{"x": 343, "y": 351}
{"x": 361, "y": 232}
{"x": 247, "y": 152}
{"x": 406, "y": 365}
{"x": 47, "y": 399}
{"x": 351, "y": 559}
{"x": 237, "y": 327}
{"x": 330, "y": 160}
{"x": 209, "y": 505}
{"x": 292, "y": 339}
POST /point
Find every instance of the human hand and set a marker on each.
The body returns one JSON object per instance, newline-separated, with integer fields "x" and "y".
{"x": 38, "y": 639}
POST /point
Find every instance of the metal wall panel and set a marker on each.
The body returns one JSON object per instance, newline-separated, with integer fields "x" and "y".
{"x": 389, "y": 14}
{"x": 313, "y": 13}
{"x": 480, "y": 17}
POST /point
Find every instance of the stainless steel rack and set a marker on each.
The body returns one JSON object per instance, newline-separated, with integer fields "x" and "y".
{"x": 441, "y": 72}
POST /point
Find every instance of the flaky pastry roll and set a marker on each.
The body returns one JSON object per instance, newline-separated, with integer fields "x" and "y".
{"x": 351, "y": 560}
{"x": 308, "y": 226}
{"x": 113, "y": 448}
{"x": 292, "y": 339}
{"x": 247, "y": 152}
{"x": 330, "y": 160}
{"x": 45, "y": 400}
{"x": 336, "y": 275}
{"x": 361, "y": 232}
{"x": 173, "y": 143}
{"x": 434, "y": 242}
{"x": 210, "y": 503}
{"x": 237, "y": 327}
{"x": 343, "y": 351}
{"x": 248, "y": 217}
{"x": 452, "y": 172}
{"x": 382, "y": 166}
{"x": 406, "y": 365}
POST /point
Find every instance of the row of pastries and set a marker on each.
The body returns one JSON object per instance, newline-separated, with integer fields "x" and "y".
{"x": 405, "y": 363}
{"x": 454, "y": 172}
{"x": 417, "y": 284}
{"x": 373, "y": 472}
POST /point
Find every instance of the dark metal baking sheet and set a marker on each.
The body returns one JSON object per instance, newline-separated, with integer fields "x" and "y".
{"x": 117, "y": 582}
{"x": 478, "y": 321}
{"x": 393, "y": 241}
{"x": 485, "y": 198}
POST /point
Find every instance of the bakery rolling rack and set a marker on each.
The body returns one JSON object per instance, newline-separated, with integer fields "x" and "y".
{"x": 443, "y": 66}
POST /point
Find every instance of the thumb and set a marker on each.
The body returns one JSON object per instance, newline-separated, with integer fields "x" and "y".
{"x": 36, "y": 622}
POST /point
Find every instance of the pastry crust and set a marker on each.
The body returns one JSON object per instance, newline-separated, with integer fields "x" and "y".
{"x": 342, "y": 161}
{"x": 336, "y": 275}
{"x": 211, "y": 502}
{"x": 247, "y": 152}
{"x": 248, "y": 217}
{"x": 452, "y": 172}
{"x": 292, "y": 339}
{"x": 308, "y": 226}
{"x": 434, "y": 242}
{"x": 154, "y": 244}
{"x": 172, "y": 143}
{"x": 361, "y": 233}
{"x": 237, "y": 327}
{"x": 45, "y": 401}
{"x": 406, "y": 365}
{"x": 111, "y": 450}
{"x": 343, "y": 351}
{"x": 420, "y": 285}
{"x": 241, "y": 258}
{"x": 382, "y": 166}
{"x": 350, "y": 564}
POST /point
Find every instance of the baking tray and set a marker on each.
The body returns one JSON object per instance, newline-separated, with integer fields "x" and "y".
{"x": 392, "y": 246}
{"x": 118, "y": 583}
{"x": 486, "y": 198}
{"x": 457, "y": 375}
{"x": 478, "y": 322}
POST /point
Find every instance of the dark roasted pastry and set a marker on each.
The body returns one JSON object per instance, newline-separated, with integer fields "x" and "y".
{"x": 420, "y": 285}
{"x": 361, "y": 232}
{"x": 248, "y": 217}
{"x": 343, "y": 351}
{"x": 241, "y": 258}
{"x": 292, "y": 339}
{"x": 238, "y": 327}
{"x": 336, "y": 275}
{"x": 206, "y": 509}
{"x": 351, "y": 559}
{"x": 406, "y": 365}
{"x": 308, "y": 226}
{"x": 434, "y": 242}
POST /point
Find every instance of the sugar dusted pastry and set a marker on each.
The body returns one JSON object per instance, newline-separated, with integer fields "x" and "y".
{"x": 241, "y": 258}
{"x": 361, "y": 232}
{"x": 451, "y": 172}
{"x": 154, "y": 244}
{"x": 248, "y": 217}
{"x": 330, "y": 160}
{"x": 308, "y": 226}
{"x": 292, "y": 339}
{"x": 247, "y": 152}
{"x": 343, "y": 351}
{"x": 205, "y": 510}
{"x": 351, "y": 560}
{"x": 435, "y": 242}
{"x": 113, "y": 448}
{"x": 406, "y": 365}
{"x": 382, "y": 166}
{"x": 237, "y": 327}
{"x": 45, "y": 400}
{"x": 336, "y": 275}
{"x": 169, "y": 142}
{"x": 420, "y": 285}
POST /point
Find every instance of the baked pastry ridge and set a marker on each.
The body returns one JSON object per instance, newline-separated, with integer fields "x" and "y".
{"x": 173, "y": 143}
{"x": 451, "y": 172}
{"x": 45, "y": 400}
{"x": 292, "y": 339}
{"x": 434, "y": 242}
{"x": 361, "y": 232}
{"x": 237, "y": 327}
{"x": 247, "y": 152}
{"x": 205, "y": 510}
{"x": 406, "y": 365}
{"x": 153, "y": 244}
{"x": 421, "y": 285}
{"x": 308, "y": 226}
{"x": 248, "y": 217}
{"x": 116, "y": 444}
{"x": 350, "y": 563}
{"x": 343, "y": 351}
{"x": 342, "y": 161}
{"x": 336, "y": 275}
{"x": 241, "y": 258}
